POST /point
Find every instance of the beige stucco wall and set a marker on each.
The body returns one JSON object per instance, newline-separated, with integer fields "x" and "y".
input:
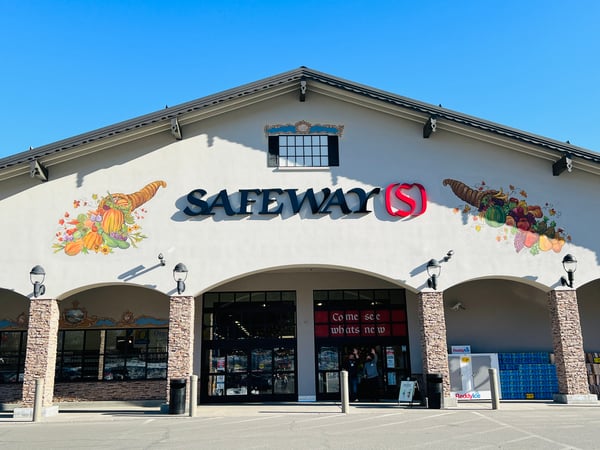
{"x": 229, "y": 152}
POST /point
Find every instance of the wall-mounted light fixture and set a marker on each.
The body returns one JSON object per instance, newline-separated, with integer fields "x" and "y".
{"x": 570, "y": 265}
{"x": 162, "y": 259}
{"x": 433, "y": 271}
{"x": 37, "y": 277}
{"x": 448, "y": 255}
{"x": 179, "y": 275}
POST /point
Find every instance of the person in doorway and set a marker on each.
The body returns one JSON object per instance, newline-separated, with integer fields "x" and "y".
{"x": 371, "y": 375}
{"x": 351, "y": 366}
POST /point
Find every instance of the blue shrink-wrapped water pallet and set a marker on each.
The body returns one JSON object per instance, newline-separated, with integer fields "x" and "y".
{"x": 527, "y": 375}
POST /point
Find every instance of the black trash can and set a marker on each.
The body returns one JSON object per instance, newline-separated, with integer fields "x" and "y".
{"x": 177, "y": 396}
{"x": 434, "y": 390}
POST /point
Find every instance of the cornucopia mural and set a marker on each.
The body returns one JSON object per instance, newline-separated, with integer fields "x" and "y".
{"x": 108, "y": 223}
{"x": 528, "y": 225}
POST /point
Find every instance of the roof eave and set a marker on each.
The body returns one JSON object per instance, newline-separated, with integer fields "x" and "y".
{"x": 266, "y": 88}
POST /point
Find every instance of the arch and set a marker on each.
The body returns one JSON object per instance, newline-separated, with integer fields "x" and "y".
{"x": 309, "y": 268}
{"x": 498, "y": 315}
{"x": 115, "y": 332}
{"x": 81, "y": 289}
{"x": 529, "y": 281}
{"x": 113, "y": 305}
{"x": 588, "y": 300}
{"x": 305, "y": 280}
{"x": 14, "y": 310}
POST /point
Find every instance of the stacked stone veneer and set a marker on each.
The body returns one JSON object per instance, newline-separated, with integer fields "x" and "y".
{"x": 434, "y": 346}
{"x": 40, "y": 357}
{"x": 110, "y": 391}
{"x": 568, "y": 342}
{"x": 181, "y": 339}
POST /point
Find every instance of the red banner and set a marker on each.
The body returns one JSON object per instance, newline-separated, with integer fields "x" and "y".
{"x": 358, "y": 323}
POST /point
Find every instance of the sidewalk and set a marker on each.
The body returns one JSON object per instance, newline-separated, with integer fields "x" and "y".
{"x": 100, "y": 411}
{"x": 516, "y": 425}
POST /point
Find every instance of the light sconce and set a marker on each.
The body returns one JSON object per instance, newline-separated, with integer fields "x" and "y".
{"x": 180, "y": 273}
{"x": 448, "y": 255}
{"x": 433, "y": 271}
{"x": 162, "y": 259}
{"x": 37, "y": 277}
{"x": 570, "y": 265}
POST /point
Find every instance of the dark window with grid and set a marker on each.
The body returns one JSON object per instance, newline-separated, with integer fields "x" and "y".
{"x": 113, "y": 354}
{"x": 12, "y": 356}
{"x": 303, "y": 151}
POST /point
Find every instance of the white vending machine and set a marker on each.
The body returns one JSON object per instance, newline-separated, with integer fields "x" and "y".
{"x": 470, "y": 377}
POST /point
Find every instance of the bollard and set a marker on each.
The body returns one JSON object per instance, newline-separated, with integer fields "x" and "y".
{"x": 494, "y": 388}
{"x": 193, "y": 394}
{"x": 38, "y": 399}
{"x": 344, "y": 391}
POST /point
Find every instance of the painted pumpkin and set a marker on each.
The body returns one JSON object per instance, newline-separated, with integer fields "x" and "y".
{"x": 112, "y": 220}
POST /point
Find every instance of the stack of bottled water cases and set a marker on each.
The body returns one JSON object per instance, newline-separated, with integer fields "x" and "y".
{"x": 528, "y": 375}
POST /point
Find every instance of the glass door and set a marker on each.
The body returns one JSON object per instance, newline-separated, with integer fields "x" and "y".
{"x": 249, "y": 347}
{"x": 392, "y": 363}
{"x": 246, "y": 373}
{"x": 328, "y": 363}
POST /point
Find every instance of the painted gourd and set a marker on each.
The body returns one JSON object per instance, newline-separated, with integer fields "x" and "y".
{"x": 92, "y": 240}
{"x": 73, "y": 247}
{"x": 494, "y": 216}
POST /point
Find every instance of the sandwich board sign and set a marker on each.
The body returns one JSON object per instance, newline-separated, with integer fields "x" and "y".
{"x": 407, "y": 391}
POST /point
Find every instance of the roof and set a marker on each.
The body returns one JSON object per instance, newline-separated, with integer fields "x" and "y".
{"x": 219, "y": 103}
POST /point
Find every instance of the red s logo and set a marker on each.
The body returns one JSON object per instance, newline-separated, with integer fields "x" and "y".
{"x": 401, "y": 192}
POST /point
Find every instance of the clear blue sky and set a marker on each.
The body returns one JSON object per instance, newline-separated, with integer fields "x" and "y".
{"x": 68, "y": 67}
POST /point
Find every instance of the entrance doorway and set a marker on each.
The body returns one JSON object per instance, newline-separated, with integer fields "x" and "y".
{"x": 361, "y": 323}
{"x": 249, "y": 347}
{"x": 391, "y": 362}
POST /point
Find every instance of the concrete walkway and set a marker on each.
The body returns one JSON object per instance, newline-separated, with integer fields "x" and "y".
{"x": 123, "y": 425}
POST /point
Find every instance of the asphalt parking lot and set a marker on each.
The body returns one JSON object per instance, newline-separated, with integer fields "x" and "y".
{"x": 526, "y": 425}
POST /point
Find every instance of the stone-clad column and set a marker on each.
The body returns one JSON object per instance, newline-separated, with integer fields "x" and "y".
{"x": 434, "y": 347}
{"x": 568, "y": 348}
{"x": 181, "y": 340}
{"x": 40, "y": 357}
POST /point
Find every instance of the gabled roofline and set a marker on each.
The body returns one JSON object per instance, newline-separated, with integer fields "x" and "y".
{"x": 263, "y": 89}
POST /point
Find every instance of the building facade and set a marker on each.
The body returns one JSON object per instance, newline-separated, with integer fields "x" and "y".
{"x": 307, "y": 212}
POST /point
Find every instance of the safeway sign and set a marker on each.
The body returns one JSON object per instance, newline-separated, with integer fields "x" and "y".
{"x": 401, "y": 200}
